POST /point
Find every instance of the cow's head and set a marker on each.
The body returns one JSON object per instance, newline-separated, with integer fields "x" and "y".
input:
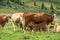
{"x": 6, "y": 18}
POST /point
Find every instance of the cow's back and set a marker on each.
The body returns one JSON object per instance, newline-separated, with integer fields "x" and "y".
{"x": 16, "y": 17}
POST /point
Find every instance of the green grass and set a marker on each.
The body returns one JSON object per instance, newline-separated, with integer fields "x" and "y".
{"x": 7, "y": 33}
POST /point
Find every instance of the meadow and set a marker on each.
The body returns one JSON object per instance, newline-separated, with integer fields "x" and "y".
{"x": 9, "y": 7}
{"x": 7, "y": 33}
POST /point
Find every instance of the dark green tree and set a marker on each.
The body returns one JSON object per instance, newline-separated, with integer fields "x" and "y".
{"x": 57, "y": 7}
{"x": 42, "y": 6}
{"x": 12, "y": 0}
{"x": 52, "y": 12}
{"x": 51, "y": 7}
{"x": 34, "y": 3}
{"x": 1, "y": 0}
{"x": 8, "y": 2}
{"x": 22, "y": 3}
{"x": 16, "y": 1}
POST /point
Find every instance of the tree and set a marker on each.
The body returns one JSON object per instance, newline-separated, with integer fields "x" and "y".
{"x": 8, "y": 2}
{"x": 34, "y": 3}
{"x": 42, "y": 6}
{"x": 51, "y": 7}
{"x": 16, "y": 1}
{"x": 57, "y": 7}
{"x": 52, "y": 12}
{"x": 21, "y": 3}
{"x": 1, "y": 0}
{"x": 12, "y": 0}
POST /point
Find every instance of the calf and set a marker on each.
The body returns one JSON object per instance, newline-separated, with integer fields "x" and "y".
{"x": 39, "y": 27}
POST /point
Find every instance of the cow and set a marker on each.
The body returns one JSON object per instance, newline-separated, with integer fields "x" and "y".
{"x": 36, "y": 18}
{"x": 57, "y": 27}
{"x": 16, "y": 19}
{"x": 4, "y": 18}
{"x": 38, "y": 27}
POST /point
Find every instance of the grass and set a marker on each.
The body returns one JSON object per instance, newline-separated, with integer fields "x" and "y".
{"x": 7, "y": 33}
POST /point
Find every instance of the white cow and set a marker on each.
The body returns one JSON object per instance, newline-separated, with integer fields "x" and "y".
{"x": 16, "y": 18}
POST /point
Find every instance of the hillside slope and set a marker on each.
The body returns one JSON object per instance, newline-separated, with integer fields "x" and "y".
{"x": 9, "y": 6}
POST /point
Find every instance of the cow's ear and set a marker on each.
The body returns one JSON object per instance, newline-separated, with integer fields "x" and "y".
{"x": 5, "y": 17}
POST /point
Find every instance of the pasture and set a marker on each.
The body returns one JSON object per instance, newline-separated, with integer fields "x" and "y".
{"x": 7, "y": 33}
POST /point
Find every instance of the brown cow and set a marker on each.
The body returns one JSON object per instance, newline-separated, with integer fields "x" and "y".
{"x": 36, "y": 18}
{"x": 4, "y": 19}
{"x": 16, "y": 18}
{"x": 38, "y": 27}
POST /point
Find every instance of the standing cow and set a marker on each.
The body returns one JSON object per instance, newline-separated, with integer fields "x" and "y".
{"x": 16, "y": 18}
{"x": 4, "y": 19}
{"x": 36, "y": 18}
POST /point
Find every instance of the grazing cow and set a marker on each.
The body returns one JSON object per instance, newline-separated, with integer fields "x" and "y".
{"x": 4, "y": 19}
{"x": 16, "y": 18}
{"x": 36, "y": 18}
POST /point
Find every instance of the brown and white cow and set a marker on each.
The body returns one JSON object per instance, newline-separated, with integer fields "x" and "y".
{"x": 4, "y": 19}
{"x": 36, "y": 18}
{"x": 16, "y": 18}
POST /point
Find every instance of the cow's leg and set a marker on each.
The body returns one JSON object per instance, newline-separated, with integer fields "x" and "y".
{"x": 25, "y": 23}
{"x": 47, "y": 28}
{"x": 20, "y": 24}
{"x": 24, "y": 27}
{"x": 2, "y": 24}
{"x": 14, "y": 26}
{"x": 33, "y": 29}
{"x": 55, "y": 27}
